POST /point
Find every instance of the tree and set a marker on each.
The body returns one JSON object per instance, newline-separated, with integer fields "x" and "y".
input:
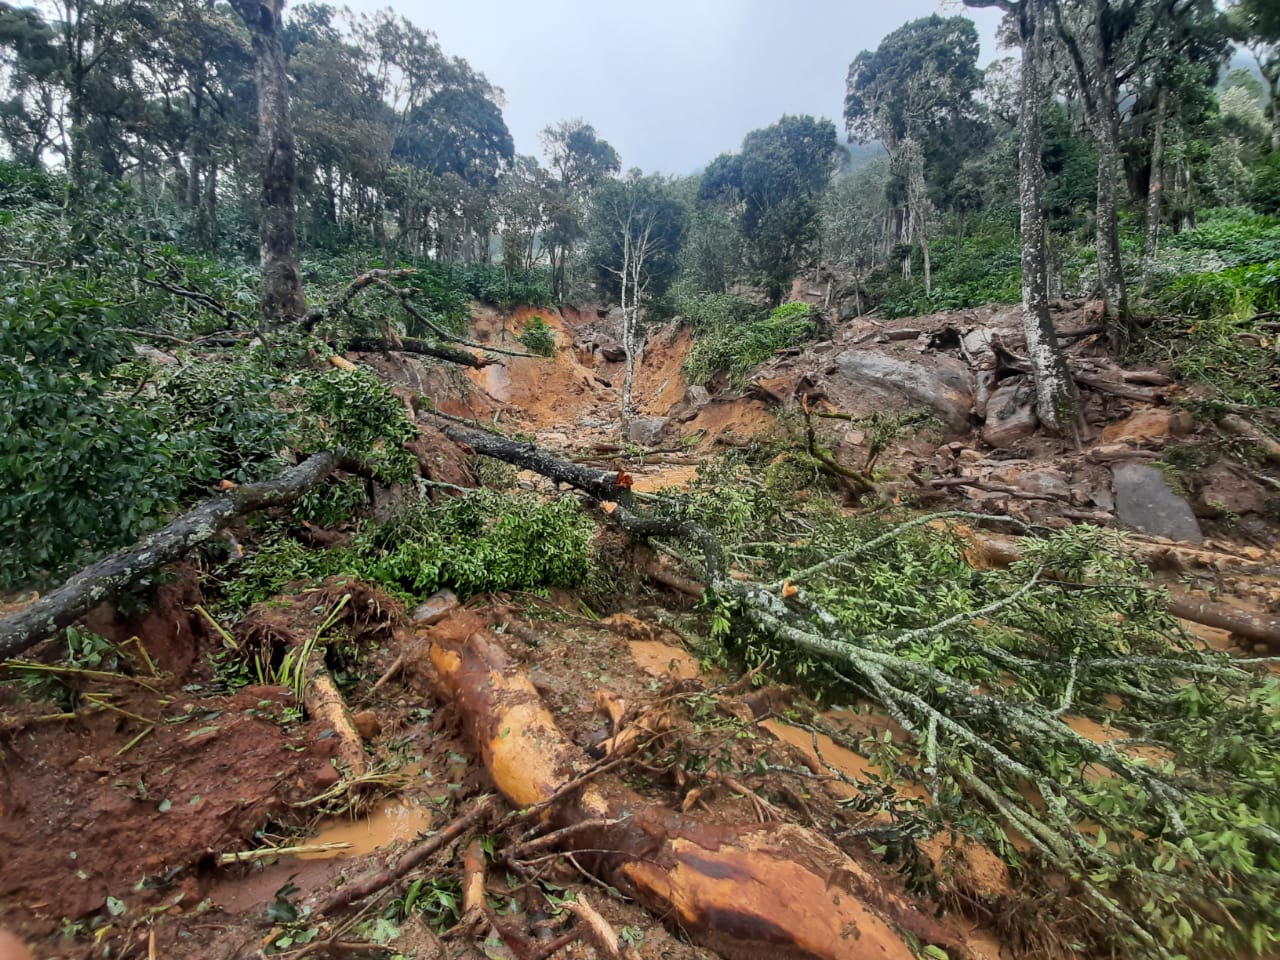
{"x": 914, "y": 90}
{"x": 636, "y": 227}
{"x": 1055, "y": 392}
{"x": 282, "y": 297}
{"x": 773, "y": 184}
{"x": 1256, "y": 24}
{"x": 578, "y": 159}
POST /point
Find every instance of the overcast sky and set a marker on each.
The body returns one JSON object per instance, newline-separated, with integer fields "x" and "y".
{"x": 670, "y": 83}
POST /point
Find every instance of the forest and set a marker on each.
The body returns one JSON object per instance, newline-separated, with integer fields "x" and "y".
{"x": 864, "y": 546}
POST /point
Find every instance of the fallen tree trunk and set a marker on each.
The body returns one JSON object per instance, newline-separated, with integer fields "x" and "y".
{"x": 102, "y": 580}
{"x": 744, "y": 890}
{"x": 601, "y": 484}
{"x": 422, "y": 348}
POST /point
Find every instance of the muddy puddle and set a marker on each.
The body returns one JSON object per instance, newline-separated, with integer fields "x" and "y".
{"x": 663, "y": 660}
{"x": 392, "y": 821}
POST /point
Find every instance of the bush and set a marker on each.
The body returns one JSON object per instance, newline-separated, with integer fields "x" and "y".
{"x": 731, "y": 336}
{"x": 538, "y": 337}
{"x": 82, "y": 469}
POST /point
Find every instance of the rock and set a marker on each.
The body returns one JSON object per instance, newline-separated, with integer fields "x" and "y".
{"x": 1145, "y": 426}
{"x": 1223, "y": 492}
{"x": 1145, "y": 500}
{"x": 646, "y": 431}
{"x": 435, "y": 608}
{"x": 326, "y": 776}
{"x": 1181, "y": 422}
{"x": 697, "y": 395}
{"x": 1011, "y": 414}
{"x": 942, "y": 383}
{"x": 1046, "y": 482}
{"x": 613, "y": 352}
{"x": 367, "y": 724}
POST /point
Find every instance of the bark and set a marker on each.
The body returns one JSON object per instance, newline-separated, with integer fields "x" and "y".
{"x": 601, "y": 484}
{"x": 744, "y": 890}
{"x": 1055, "y": 392}
{"x": 422, "y": 348}
{"x": 106, "y": 578}
{"x": 1262, "y": 629}
{"x": 282, "y": 297}
{"x": 1155, "y": 186}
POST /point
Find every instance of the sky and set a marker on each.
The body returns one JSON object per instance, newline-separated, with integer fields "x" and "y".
{"x": 670, "y": 83}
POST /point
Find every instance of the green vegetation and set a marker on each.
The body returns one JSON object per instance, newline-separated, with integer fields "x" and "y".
{"x": 733, "y": 336}
{"x": 538, "y": 337}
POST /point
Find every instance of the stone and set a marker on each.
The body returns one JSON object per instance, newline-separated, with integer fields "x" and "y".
{"x": 1145, "y": 426}
{"x": 367, "y": 724}
{"x": 1011, "y": 414}
{"x": 698, "y": 395}
{"x": 943, "y": 383}
{"x": 435, "y": 608}
{"x": 1145, "y": 500}
{"x": 646, "y": 431}
{"x": 612, "y": 352}
{"x": 1046, "y": 482}
{"x": 1223, "y": 492}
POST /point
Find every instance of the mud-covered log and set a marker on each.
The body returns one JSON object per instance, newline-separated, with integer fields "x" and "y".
{"x": 1261, "y": 629}
{"x": 421, "y": 347}
{"x": 601, "y": 484}
{"x": 103, "y": 580}
{"x": 771, "y": 890}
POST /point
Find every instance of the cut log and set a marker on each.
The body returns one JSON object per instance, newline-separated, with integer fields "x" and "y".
{"x": 105, "y": 579}
{"x": 1238, "y": 426}
{"x": 1262, "y": 629}
{"x": 744, "y": 890}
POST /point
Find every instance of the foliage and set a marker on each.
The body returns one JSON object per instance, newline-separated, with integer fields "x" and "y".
{"x": 1165, "y": 825}
{"x": 538, "y": 337}
{"x": 732, "y": 339}
{"x": 83, "y": 469}
{"x": 482, "y": 541}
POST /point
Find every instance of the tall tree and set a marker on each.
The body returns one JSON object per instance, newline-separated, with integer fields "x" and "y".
{"x": 774, "y": 184}
{"x": 1256, "y": 24}
{"x": 579, "y": 159}
{"x": 636, "y": 226}
{"x": 1055, "y": 391}
{"x": 282, "y": 297}
{"x": 913, "y": 90}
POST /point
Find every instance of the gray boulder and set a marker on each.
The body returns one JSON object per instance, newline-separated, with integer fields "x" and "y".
{"x": 1011, "y": 414}
{"x": 942, "y": 383}
{"x": 646, "y": 431}
{"x": 1145, "y": 500}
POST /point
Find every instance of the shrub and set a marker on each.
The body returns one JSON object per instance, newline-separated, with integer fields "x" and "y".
{"x": 727, "y": 337}
{"x": 538, "y": 337}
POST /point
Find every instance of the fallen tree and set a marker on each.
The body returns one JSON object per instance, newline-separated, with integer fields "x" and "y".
{"x": 105, "y": 579}
{"x": 743, "y": 890}
{"x": 1067, "y": 629}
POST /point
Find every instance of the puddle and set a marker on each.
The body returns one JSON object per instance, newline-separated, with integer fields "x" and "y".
{"x": 385, "y": 824}
{"x": 663, "y": 660}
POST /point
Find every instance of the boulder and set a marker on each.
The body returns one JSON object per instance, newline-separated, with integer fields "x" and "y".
{"x": 1223, "y": 492}
{"x": 1145, "y": 500}
{"x": 697, "y": 396}
{"x": 611, "y": 350}
{"x": 1011, "y": 413}
{"x": 943, "y": 383}
{"x": 646, "y": 431}
{"x": 1046, "y": 482}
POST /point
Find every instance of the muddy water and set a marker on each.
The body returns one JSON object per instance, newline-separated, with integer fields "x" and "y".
{"x": 389, "y": 822}
{"x": 663, "y": 660}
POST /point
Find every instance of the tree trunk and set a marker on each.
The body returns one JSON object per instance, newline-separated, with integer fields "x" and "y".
{"x": 104, "y": 579}
{"x": 1155, "y": 185}
{"x": 282, "y": 298}
{"x": 745, "y": 890}
{"x": 1106, "y": 124}
{"x": 1055, "y": 395}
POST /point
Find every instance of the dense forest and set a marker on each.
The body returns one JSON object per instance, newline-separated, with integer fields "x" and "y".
{"x": 292, "y": 344}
